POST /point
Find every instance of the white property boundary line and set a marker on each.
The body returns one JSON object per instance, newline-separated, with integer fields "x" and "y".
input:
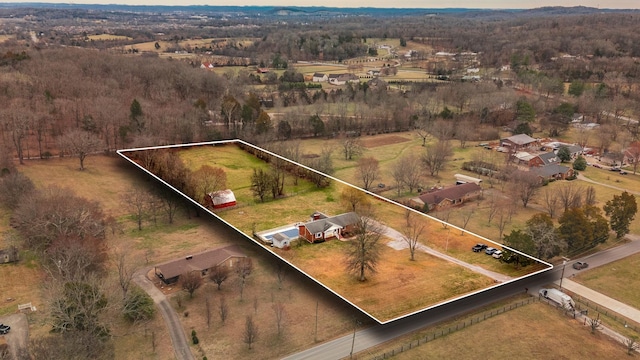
{"x": 235, "y": 141}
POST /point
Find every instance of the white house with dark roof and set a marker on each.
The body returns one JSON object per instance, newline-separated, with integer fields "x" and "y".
{"x": 320, "y": 77}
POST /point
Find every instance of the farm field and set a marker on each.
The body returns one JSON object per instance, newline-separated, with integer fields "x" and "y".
{"x": 108, "y": 37}
{"x": 534, "y": 331}
{"x": 606, "y": 279}
{"x": 106, "y": 180}
{"x": 396, "y": 273}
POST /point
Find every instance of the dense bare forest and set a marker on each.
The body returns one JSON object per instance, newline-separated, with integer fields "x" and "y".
{"x": 50, "y": 90}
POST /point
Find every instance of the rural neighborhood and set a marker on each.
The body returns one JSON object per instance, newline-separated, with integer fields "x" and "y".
{"x": 316, "y": 182}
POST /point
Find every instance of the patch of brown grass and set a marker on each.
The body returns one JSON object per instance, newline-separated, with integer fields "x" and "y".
{"x": 382, "y": 140}
{"x": 535, "y": 331}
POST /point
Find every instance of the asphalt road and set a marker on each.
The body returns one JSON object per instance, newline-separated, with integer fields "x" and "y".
{"x": 366, "y": 338}
{"x": 178, "y": 338}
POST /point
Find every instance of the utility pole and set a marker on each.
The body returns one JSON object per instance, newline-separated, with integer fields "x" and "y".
{"x": 564, "y": 264}
{"x": 353, "y": 342}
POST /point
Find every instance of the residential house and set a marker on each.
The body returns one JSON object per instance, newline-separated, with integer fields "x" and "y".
{"x": 220, "y": 199}
{"x": 322, "y": 227}
{"x": 525, "y": 158}
{"x": 553, "y": 172}
{"x": 320, "y": 77}
{"x": 447, "y": 197}
{"x": 545, "y": 159}
{"x": 170, "y": 271}
{"x": 341, "y": 79}
{"x": 373, "y": 72}
{"x": 262, "y": 70}
{"x": 206, "y": 65}
{"x": 519, "y": 142}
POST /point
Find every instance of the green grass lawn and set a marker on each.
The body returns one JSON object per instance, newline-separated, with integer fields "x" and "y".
{"x": 607, "y": 279}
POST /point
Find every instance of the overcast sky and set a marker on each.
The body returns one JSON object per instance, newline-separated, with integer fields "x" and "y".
{"x": 494, "y": 4}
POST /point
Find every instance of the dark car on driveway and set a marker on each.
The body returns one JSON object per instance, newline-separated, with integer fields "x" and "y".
{"x": 479, "y": 247}
{"x": 4, "y": 329}
{"x": 579, "y": 265}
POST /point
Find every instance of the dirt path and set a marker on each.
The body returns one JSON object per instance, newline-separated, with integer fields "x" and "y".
{"x": 178, "y": 338}
{"x": 583, "y": 178}
{"x": 399, "y": 244}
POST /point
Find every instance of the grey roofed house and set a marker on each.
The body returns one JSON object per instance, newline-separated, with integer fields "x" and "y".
{"x": 170, "y": 271}
{"x": 341, "y": 220}
{"x": 549, "y": 158}
{"x": 553, "y": 171}
{"x": 455, "y": 194}
{"x": 520, "y": 139}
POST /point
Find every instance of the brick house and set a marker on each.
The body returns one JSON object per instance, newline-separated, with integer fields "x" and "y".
{"x": 448, "y": 197}
{"x": 321, "y": 227}
{"x": 170, "y": 271}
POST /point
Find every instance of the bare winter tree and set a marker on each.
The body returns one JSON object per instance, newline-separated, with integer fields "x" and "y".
{"x": 218, "y": 274}
{"x": 208, "y": 179}
{"x": 223, "y": 309}
{"x": 125, "y": 270}
{"x": 250, "y": 334}
{"x": 351, "y": 147}
{"x": 368, "y": 171}
{"x": 207, "y": 311}
{"x": 413, "y": 233}
{"x": 570, "y": 196}
{"x": 280, "y": 313}
{"x": 524, "y": 185}
{"x": 243, "y": 269}
{"x": 631, "y": 343}
{"x": 80, "y": 143}
{"x": 138, "y": 200}
{"x": 363, "y": 251}
{"x": 590, "y": 196}
{"x": 190, "y": 282}
{"x": 550, "y": 201}
{"x": 436, "y": 155}
{"x": 353, "y": 198}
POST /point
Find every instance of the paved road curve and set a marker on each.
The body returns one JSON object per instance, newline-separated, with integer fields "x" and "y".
{"x": 178, "y": 338}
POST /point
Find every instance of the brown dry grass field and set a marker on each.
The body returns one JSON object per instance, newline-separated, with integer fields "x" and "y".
{"x": 325, "y": 262}
{"x": 108, "y": 37}
{"x": 105, "y": 180}
{"x": 534, "y": 331}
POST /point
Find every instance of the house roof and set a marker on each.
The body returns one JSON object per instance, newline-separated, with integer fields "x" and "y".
{"x": 198, "y": 262}
{"x": 549, "y": 158}
{"x": 334, "y": 76}
{"x": 280, "y": 237}
{"x": 521, "y": 139}
{"x": 524, "y": 156}
{"x": 451, "y": 193}
{"x": 318, "y": 75}
{"x": 550, "y": 170}
{"x": 574, "y": 149}
{"x": 325, "y": 224}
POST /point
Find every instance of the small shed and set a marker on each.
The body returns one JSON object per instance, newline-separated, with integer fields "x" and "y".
{"x": 281, "y": 241}
{"x": 221, "y": 199}
{"x": 8, "y": 255}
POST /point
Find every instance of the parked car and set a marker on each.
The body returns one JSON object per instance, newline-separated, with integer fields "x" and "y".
{"x": 497, "y": 254}
{"x": 478, "y": 247}
{"x": 4, "y": 329}
{"x": 579, "y": 265}
{"x": 622, "y": 172}
{"x": 597, "y": 166}
{"x": 614, "y": 168}
{"x": 490, "y": 250}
